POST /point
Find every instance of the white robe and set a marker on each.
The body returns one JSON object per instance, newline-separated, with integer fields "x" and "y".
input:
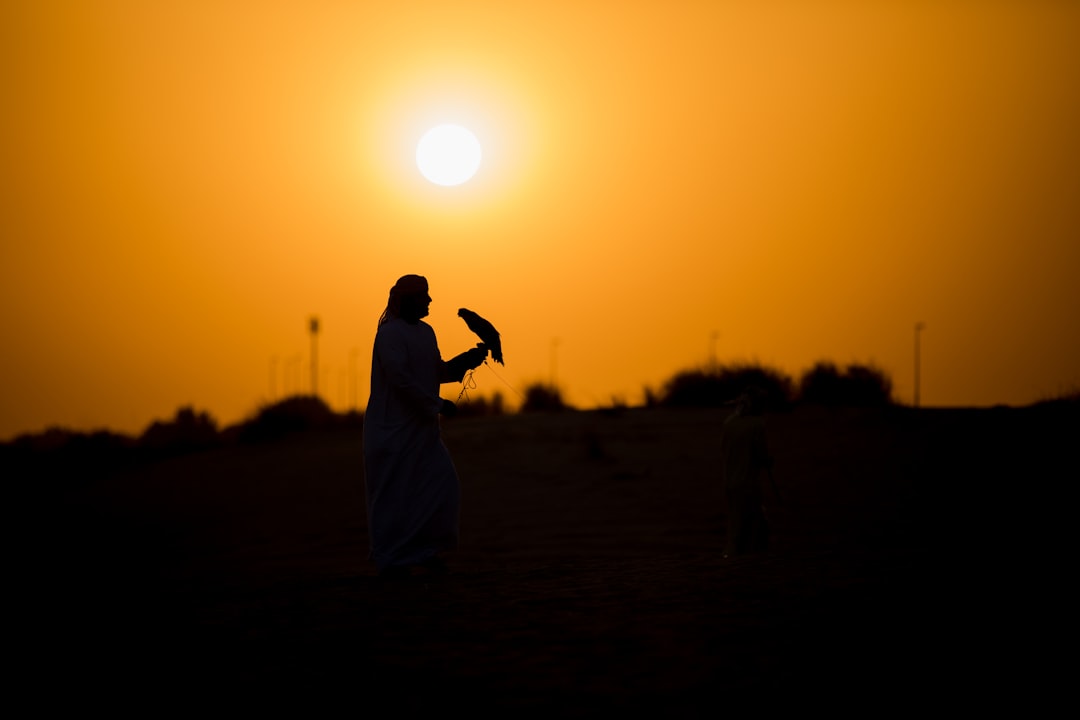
{"x": 412, "y": 486}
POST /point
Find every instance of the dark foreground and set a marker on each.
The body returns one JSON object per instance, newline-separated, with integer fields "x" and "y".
{"x": 589, "y": 581}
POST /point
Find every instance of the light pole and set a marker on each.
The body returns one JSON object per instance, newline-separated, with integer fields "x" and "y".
{"x": 712, "y": 349}
{"x": 353, "y": 353}
{"x": 554, "y": 348}
{"x": 273, "y": 377}
{"x": 292, "y": 377}
{"x": 314, "y": 326}
{"x": 918, "y": 329}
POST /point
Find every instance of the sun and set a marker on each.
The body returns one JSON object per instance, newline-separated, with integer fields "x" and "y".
{"x": 448, "y": 155}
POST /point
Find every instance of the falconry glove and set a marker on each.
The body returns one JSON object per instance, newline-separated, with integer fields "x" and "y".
{"x": 460, "y": 364}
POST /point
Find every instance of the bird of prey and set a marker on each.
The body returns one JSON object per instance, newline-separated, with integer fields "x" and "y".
{"x": 485, "y": 330}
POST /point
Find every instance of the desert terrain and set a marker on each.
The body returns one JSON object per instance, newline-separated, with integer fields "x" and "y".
{"x": 589, "y": 581}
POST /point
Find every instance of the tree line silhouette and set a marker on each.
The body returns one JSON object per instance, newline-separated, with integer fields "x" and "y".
{"x": 191, "y": 431}
{"x": 823, "y": 384}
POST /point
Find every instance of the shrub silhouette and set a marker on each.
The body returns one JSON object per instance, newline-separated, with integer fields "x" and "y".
{"x": 854, "y": 386}
{"x": 482, "y": 406}
{"x": 822, "y": 384}
{"x": 293, "y": 414}
{"x": 540, "y": 397}
{"x": 1063, "y": 398}
{"x": 64, "y": 456}
{"x": 187, "y": 432}
{"x": 694, "y": 388}
{"x": 720, "y": 385}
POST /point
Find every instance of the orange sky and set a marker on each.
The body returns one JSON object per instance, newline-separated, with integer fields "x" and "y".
{"x": 186, "y": 183}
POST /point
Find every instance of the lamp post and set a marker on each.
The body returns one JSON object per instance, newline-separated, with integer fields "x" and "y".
{"x": 273, "y": 377}
{"x": 292, "y": 377}
{"x": 314, "y": 326}
{"x": 353, "y": 353}
{"x": 918, "y": 329}
{"x": 554, "y": 349}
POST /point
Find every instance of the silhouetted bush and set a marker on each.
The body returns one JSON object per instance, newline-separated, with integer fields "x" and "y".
{"x": 189, "y": 431}
{"x": 1062, "y": 406}
{"x": 293, "y": 414}
{"x": 64, "y": 456}
{"x": 694, "y": 388}
{"x": 52, "y": 439}
{"x": 717, "y": 386}
{"x": 822, "y": 384}
{"x": 616, "y": 404}
{"x": 101, "y": 447}
{"x": 1064, "y": 398}
{"x": 854, "y": 386}
{"x": 868, "y": 386}
{"x": 475, "y": 407}
{"x": 351, "y": 418}
{"x": 540, "y": 397}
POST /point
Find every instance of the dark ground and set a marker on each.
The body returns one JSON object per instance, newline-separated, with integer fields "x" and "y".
{"x": 589, "y": 581}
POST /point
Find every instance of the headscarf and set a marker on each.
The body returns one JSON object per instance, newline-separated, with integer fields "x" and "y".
{"x": 405, "y": 286}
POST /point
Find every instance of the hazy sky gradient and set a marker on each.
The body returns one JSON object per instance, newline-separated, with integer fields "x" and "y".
{"x": 186, "y": 183}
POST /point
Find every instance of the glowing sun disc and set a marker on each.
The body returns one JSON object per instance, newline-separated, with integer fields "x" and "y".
{"x": 448, "y": 155}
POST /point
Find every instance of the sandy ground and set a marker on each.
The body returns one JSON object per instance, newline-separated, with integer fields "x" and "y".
{"x": 589, "y": 581}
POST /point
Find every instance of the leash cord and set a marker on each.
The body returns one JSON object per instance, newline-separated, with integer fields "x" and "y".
{"x": 469, "y": 383}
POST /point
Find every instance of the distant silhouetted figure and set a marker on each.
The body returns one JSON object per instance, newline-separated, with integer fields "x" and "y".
{"x": 411, "y": 483}
{"x": 745, "y": 457}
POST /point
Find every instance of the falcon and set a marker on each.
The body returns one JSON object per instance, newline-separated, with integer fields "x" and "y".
{"x": 486, "y": 332}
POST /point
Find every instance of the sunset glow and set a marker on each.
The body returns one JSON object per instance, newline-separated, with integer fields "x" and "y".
{"x": 185, "y": 184}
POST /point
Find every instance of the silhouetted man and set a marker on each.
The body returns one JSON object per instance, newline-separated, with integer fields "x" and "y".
{"x": 411, "y": 483}
{"x": 744, "y": 451}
